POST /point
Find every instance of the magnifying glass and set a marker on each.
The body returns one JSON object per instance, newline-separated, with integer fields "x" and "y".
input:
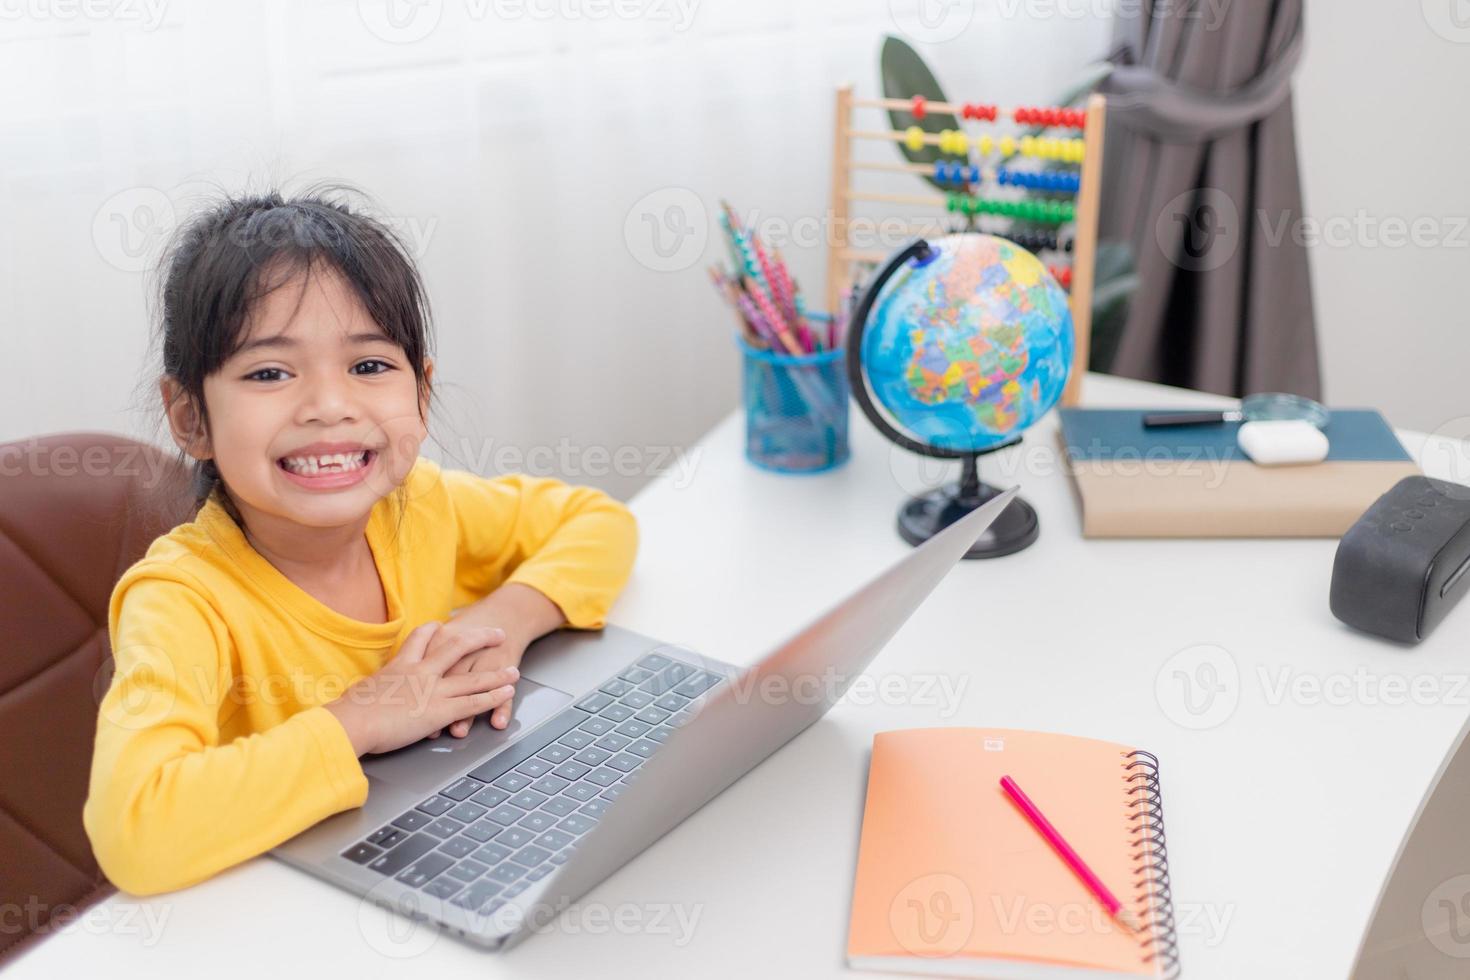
{"x": 1271, "y": 406}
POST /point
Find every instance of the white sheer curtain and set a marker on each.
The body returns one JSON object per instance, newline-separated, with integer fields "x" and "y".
{"x": 527, "y": 148}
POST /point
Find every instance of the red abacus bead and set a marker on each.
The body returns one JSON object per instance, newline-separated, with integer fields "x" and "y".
{"x": 967, "y": 111}
{"x": 1022, "y": 115}
{"x": 1053, "y": 117}
{"x": 917, "y": 109}
{"x": 1079, "y": 118}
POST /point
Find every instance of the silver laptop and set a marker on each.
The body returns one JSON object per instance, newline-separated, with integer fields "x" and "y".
{"x": 616, "y": 739}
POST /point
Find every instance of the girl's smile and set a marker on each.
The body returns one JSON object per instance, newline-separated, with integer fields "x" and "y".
{"x": 328, "y": 465}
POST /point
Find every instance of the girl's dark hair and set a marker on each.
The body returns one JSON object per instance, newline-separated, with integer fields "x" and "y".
{"x": 236, "y": 251}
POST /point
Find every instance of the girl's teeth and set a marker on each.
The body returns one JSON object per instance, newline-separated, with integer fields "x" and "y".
{"x": 332, "y": 463}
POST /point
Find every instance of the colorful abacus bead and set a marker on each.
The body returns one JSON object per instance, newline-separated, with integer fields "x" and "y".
{"x": 914, "y": 138}
{"x": 955, "y": 173}
{"x": 918, "y": 107}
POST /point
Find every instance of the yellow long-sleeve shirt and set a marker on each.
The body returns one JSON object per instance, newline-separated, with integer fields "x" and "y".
{"x": 212, "y": 742}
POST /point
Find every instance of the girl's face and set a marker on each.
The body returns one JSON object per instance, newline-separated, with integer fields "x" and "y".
{"x": 318, "y": 415}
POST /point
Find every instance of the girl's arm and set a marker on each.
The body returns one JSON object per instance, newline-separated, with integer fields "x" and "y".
{"x": 574, "y": 545}
{"x": 168, "y": 804}
{"x": 534, "y": 554}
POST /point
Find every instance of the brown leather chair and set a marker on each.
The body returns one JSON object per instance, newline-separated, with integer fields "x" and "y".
{"x": 76, "y": 510}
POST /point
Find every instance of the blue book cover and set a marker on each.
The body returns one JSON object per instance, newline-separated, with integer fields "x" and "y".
{"x": 1353, "y": 435}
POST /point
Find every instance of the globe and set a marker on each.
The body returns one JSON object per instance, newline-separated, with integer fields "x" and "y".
{"x": 970, "y": 348}
{"x": 959, "y": 345}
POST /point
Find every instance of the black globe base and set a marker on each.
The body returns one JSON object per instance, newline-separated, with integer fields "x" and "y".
{"x": 924, "y": 516}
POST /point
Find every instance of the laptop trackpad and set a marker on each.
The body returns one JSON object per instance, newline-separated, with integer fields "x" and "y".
{"x": 429, "y": 764}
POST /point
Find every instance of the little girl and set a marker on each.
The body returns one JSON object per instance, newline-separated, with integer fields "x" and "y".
{"x": 302, "y": 618}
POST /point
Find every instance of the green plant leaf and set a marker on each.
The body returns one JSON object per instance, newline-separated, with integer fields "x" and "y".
{"x": 1115, "y": 283}
{"x": 904, "y": 76}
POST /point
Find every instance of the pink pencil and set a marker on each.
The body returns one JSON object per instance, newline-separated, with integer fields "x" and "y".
{"x": 1072, "y": 858}
{"x": 770, "y": 279}
{"x": 763, "y": 303}
{"x": 785, "y": 289}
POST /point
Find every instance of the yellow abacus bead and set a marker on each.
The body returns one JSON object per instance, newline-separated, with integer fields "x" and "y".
{"x": 914, "y": 138}
{"x": 1007, "y": 146}
{"x": 1053, "y": 149}
{"x": 1028, "y": 146}
{"x": 961, "y": 143}
{"x": 986, "y": 144}
{"x": 1077, "y": 151}
{"x": 944, "y": 141}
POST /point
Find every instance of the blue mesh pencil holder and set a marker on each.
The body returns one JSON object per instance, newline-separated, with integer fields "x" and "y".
{"x": 795, "y": 409}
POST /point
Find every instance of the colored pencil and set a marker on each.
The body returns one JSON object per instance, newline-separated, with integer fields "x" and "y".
{"x": 1069, "y": 856}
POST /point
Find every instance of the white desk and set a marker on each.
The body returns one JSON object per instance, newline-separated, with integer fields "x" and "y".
{"x": 1283, "y": 817}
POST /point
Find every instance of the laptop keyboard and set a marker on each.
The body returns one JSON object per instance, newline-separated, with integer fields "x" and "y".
{"x": 484, "y": 838}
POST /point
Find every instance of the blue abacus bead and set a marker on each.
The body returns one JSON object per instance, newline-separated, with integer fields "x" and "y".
{"x": 1053, "y": 182}
{"x": 974, "y": 174}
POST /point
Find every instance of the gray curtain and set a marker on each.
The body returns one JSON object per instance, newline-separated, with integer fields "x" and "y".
{"x": 1201, "y": 183}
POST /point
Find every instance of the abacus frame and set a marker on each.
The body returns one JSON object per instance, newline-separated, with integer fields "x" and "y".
{"x": 842, "y": 256}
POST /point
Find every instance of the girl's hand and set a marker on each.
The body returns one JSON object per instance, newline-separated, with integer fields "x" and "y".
{"x": 414, "y": 693}
{"x": 525, "y": 614}
{"x": 505, "y": 655}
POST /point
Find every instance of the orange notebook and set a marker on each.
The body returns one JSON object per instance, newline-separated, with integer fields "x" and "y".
{"x": 953, "y": 880}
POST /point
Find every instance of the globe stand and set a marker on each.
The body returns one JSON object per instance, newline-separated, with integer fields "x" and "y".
{"x": 924, "y": 516}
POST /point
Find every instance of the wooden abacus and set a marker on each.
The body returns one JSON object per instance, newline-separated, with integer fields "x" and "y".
{"x": 1050, "y": 212}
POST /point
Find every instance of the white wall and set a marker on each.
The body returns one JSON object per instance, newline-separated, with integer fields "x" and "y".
{"x": 1384, "y": 142}
{"x": 516, "y": 149}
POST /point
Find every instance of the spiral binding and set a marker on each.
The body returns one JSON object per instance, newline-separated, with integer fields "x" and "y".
{"x": 1152, "y": 895}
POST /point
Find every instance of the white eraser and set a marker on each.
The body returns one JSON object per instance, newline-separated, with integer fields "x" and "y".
{"x": 1282, "y": 443}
